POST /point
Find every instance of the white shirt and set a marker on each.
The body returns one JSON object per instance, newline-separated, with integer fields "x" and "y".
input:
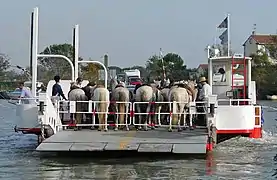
{"x": 26, "y": 93}
{"x": 205, "y": 92}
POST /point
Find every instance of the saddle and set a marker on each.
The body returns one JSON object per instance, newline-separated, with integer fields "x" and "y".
{"x": 119, "y": 85}
{"x": 138, "y": 86}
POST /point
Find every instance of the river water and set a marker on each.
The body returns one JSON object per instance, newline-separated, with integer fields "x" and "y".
{"x": 238, "y": 158}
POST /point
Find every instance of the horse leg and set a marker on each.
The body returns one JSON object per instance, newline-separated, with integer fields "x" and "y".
{"x": 190, "y": 119}
{"x": 184, "y": 120}
{"x": 78, "y": 116}
{"x": 190, "y": 122}
{"x": 126, "y": 116}
{"x": 173, "y": 118}
{"x": 158, "y": 116}
{"x": 121, "y": 113}
{"x": 139, "y": 116}
{"x": 148, "y": 109}
{"x": 100, "y": 116}
{"x": 116, "y": 117}
{"x": 152, "y": 120}
{"x": 180, "y": 119}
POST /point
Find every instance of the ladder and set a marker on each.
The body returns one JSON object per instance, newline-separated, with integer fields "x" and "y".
{"x": 242, "y": 71}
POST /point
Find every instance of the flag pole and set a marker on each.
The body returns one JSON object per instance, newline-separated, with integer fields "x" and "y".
{"x": 162, "y": 59}
{"x": 228, "y": 34}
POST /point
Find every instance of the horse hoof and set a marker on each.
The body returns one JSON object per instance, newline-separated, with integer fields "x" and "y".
{"x": 153, "y": 128}
{"x": 169, "y": 130}
{"x": 180, "y": 130}
{"x": 75, "y": 128}
{"x": 115, "y": 129}
{"x": 191, "y": 128}
{"x": 92, "y": 128}
{"x": 99, "y": 129}
{"x": 106, "y": 130}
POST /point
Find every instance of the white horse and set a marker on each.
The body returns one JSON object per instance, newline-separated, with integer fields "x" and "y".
{"x": 180, "y": 98}
{"x": 121, "y": 95}
{"x": 146, "y": 97}
{"x": 78, "y": 95}
{"x": 101, "y": 95}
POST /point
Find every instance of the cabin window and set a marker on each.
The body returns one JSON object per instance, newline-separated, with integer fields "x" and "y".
{"x": 219, "y": 74}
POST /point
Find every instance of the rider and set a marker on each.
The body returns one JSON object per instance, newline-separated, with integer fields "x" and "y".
{"x": 77, "y": 83}
{"x": 57, "y": 89}
{"x": 122, "y": 83}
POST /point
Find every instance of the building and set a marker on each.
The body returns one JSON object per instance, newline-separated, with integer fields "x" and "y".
{"x": 202, "y": 68}
{"x": 256, "y": 43}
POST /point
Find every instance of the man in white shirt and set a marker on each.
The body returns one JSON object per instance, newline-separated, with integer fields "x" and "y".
{"x": 204, "y": 93}
{"x": 26, "y": 93}
{"x": 206, "y": 90}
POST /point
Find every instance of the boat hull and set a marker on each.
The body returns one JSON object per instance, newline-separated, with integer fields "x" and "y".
{"x": 28, "y": 114}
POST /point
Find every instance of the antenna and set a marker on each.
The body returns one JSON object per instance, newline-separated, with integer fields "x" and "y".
{"x": 254, "y": 29}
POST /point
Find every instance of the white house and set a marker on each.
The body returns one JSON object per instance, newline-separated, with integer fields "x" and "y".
{"x": 258, "y": 42}
{"x": 201, "y": 70}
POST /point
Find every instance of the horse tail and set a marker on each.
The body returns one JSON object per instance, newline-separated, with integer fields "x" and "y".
{"x": 174, "y": 96}
{"x": 103, "y": 106}
{"x": 191, "y": 91}
{"x": 121, "y": 107}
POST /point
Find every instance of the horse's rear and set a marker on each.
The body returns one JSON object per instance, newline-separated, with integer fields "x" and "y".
{"x": 78, "y": 95}
{"x": 101, "y": 95}
{"x": 181, "y": 97}
{"x": 121, "y": 95}
{"x": 144, "y": 94}
{"x": 165, "y": 106}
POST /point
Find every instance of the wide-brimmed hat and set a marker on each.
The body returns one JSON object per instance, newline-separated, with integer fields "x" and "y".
{"x": 202, "y": 79}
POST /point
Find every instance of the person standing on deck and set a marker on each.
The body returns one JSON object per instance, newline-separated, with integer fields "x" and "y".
{"x": 26, "y": 93}
{"x": 205, "y": 91}
{"x": 57, "y": 89}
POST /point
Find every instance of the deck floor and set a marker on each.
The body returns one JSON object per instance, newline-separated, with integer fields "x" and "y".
{"x": 158, "y": 140}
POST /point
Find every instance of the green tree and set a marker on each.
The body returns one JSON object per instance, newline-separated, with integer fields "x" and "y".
{"x": 58, "y": 66}
{"x": 4, "y": 64}
{"x": 90, "y": 71}
{"x": 264, "y": 73}
{"x": 173, "y": 64}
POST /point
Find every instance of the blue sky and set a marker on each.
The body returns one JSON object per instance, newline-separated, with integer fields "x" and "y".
{"x": 132, "y": 30}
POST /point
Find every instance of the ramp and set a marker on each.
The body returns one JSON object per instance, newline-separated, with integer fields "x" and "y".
{"x": 159, "y": 140}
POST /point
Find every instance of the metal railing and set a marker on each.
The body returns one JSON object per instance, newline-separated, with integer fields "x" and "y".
{"x": 131, "y": 113}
